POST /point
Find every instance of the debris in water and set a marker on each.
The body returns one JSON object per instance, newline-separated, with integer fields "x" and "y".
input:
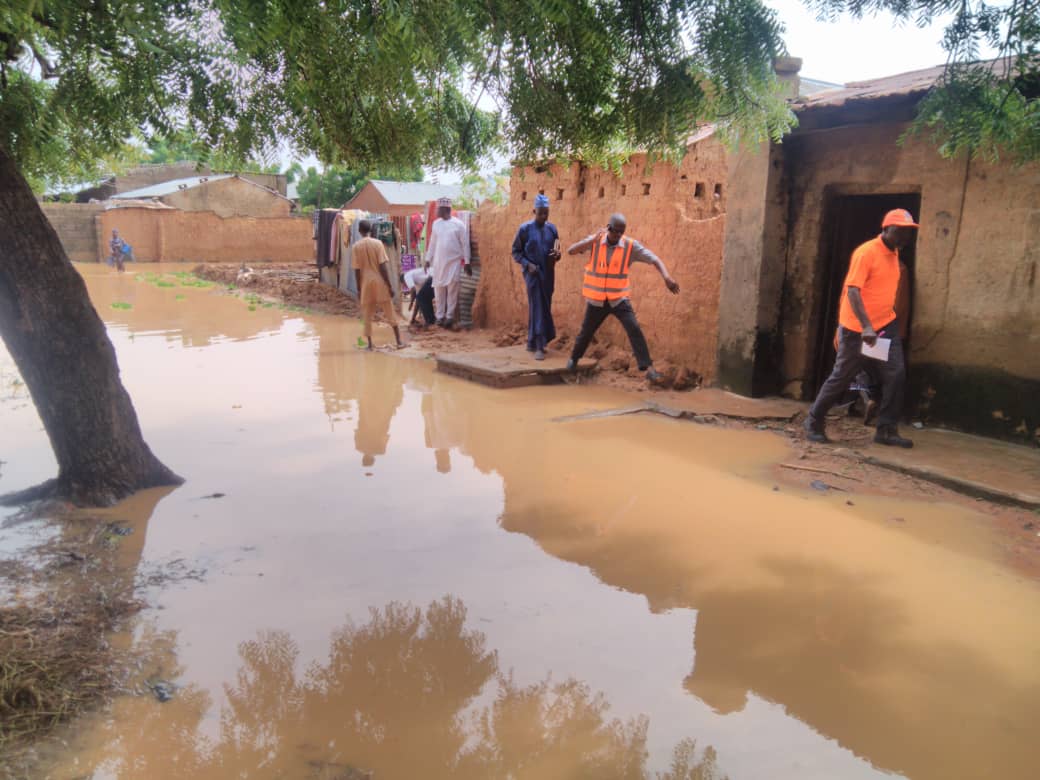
{"x": 819, "y": 484}
{"x": 118, "y": 530}
{"x": 762, "y": 427}
{"x": 776, "y": 488}
{"x": 162, "y": 690}
{"x": 213, "y": 495}
{"x": 898, "y": 520}
{"x": 1028, "y": 526}
{"x": 917, "y": 425}
{"x": 849, "y": 503}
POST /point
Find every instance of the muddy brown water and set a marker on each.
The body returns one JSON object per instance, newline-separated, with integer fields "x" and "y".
{"x": 410, "y": 576}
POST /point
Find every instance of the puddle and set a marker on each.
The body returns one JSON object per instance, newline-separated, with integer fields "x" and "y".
{"x": 411, "y": 576}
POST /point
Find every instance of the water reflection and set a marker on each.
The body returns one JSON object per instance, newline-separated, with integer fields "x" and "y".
{"x": 402, "y": 695}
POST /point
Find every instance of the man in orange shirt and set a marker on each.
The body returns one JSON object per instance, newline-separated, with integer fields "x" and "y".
{"x": 867, "y": 312}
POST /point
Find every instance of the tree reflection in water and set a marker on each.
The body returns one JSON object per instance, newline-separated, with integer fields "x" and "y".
{"x": 397, "y": 698}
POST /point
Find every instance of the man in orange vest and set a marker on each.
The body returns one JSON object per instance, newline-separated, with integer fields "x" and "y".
{"x": 606, "y": 289}
{"x": 868, "y": 312}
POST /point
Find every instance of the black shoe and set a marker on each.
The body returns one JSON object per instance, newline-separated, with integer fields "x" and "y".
{"x": 814, "y": 431}
{"x": 440, "y": 322}
{"x": 572, "y": 365}
{"x": 889, "y": 436}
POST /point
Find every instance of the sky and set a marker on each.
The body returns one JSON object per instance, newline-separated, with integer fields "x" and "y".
{"x": 857, "y": 50}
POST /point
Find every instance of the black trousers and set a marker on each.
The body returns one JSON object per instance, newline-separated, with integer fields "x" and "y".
{"x": 425, "y": 301}
{"x": 597, "y": 315}
{"x": 850, "y": 362}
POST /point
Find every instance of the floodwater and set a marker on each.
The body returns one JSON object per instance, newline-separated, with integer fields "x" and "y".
{"x": 411, "y": 576}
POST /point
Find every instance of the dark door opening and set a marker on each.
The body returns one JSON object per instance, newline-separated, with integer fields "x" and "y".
{"x": 851, "y": 220}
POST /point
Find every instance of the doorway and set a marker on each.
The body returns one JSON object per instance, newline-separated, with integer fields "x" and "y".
{"x": 852, "y": 220}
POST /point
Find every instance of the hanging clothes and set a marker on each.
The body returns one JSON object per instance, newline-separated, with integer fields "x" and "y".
{"x": 326, "y": 221}
{"x": 349, "y": 236}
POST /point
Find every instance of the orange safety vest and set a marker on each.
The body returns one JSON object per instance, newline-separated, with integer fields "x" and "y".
{"x": 607, "y": 281}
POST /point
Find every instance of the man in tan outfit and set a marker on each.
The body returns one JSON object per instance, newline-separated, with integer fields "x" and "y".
{"x": 373, "y": 281}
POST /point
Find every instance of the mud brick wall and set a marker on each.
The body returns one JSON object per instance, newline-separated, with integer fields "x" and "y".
{"x": 169, "y": 235}
{"x": 74, "y": 224}
{"x": 677, "y": 211}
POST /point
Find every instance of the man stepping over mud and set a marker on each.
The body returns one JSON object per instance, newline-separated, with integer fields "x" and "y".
{"x": 867, "y": 311}
{"x": 373, "y": 281}
{"x": 606, "y": 289}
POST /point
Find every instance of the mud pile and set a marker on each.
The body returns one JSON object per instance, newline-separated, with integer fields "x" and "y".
{"x": 293, "y": 283}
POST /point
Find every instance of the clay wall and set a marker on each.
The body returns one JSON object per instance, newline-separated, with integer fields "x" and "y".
{"x": 676, "y": 211}
{"x": 974, "y": 355}
{"x": 232, "y": 197}
{"x": 169, "y": 235}
{"x": 74, "y": 224}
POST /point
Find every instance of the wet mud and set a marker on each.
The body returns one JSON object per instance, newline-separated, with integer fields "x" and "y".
{"x": 411, "y": 576}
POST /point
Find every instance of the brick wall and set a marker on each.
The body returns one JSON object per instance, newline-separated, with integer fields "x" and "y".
{"x": 74, "y": 224}
{"x": 169, "y": 235}
{"x": 677, "y": 211}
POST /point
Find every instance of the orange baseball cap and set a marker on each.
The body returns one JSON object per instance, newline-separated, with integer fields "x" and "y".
{"x": 899, "y": 218}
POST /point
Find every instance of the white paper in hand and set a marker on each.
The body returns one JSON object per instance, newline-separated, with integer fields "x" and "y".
{"x": 879, "y": 351}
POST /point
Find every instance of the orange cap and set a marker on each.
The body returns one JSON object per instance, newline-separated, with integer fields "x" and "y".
{"x": 899, "y": 218}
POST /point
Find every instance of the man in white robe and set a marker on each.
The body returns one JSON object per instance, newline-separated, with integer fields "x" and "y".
{"x": 448, "y": 254}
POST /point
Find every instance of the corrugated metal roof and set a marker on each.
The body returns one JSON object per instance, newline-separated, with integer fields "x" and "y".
{"x": 410, "y": 193}
{"x": 170, "y": 187}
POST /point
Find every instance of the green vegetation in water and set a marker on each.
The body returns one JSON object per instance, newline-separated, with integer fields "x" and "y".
{"x": 361, "y": 342}
{"x": 187, "y": 279}
{"x": 178, "y": 297}
{"x": 164, "y": 283}
{"x": 252, "y": 307}
{"x": 122, "y": 305}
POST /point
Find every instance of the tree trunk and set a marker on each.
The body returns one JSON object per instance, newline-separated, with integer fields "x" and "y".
{"x": 61, "y": 348}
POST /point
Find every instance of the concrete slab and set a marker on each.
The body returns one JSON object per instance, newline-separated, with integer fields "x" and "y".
{"x": 1008, "y": 473}
{"x": 506, "y": 367}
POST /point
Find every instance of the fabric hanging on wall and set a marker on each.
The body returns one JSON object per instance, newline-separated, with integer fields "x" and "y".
{"x": 326, "y": 220}
{"x": 351, "y": 218}
{"x": 415, "y": 230}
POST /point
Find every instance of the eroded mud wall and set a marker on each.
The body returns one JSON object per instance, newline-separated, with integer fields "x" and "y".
{"x": 678, "y": 212}
{"x": 232, "y": 197}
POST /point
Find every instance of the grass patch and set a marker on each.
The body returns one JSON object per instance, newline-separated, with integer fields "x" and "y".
{"x": 122, "y": 305}
{"x": 56, "y": 659}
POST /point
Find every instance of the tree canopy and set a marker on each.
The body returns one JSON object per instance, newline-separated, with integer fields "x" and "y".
{"x": 364, "y": 83}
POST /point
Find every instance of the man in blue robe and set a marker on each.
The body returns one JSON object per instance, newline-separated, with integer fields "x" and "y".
{"x": 536, "y": 249}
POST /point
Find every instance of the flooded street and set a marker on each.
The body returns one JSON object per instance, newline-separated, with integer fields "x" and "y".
{"x": 410, "y": 576}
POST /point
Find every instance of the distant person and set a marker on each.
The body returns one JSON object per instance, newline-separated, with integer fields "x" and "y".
{"x": 606, "y": 289}
{"x": 868, "y": 311}
{"x": 119, "y": 248}
{"x": 419, "y": 283}
{"x": 448, "y": 254}
{"x": 537, "y": 249}
{"x": 373, "y": 281}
